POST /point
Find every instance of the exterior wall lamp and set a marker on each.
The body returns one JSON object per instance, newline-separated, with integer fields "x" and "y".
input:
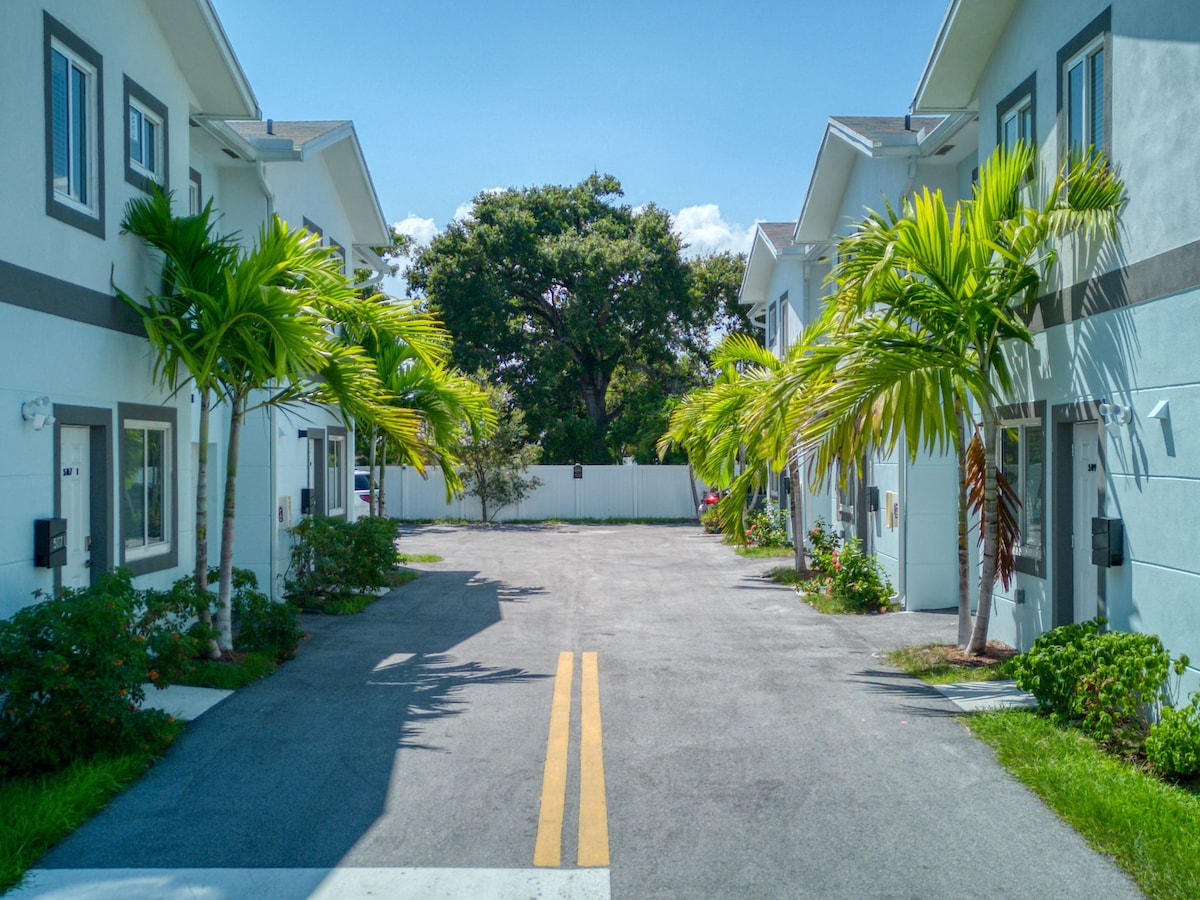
{"x": 37, "y": 411}
{"x": 1114, "y": 413}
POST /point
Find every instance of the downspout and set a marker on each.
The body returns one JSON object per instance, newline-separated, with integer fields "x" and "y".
{"x": 260, "y": 169}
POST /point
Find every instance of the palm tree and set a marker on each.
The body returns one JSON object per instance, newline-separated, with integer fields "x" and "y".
{"x": 926, "y": 300}
{"x": 260, "y": 328}
{"x": 195, "y": 259}
{"x": 446, "y": 403}
{"x": 729, "y": 442}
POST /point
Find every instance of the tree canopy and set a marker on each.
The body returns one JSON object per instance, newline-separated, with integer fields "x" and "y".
{"x": 561, "y": 293}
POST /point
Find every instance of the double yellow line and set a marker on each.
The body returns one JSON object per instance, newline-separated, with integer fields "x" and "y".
{"x": 593, "y": 806}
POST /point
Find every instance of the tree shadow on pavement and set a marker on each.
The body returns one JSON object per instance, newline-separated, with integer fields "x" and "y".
{"x": 901, "y": 686}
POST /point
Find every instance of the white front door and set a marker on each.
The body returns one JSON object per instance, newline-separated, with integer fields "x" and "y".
{"x": 75, "y": 493}
{"x": 1085, "y": 502}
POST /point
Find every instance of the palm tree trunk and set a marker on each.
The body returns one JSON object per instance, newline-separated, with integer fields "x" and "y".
{"x": 201, "y": 573}
{"x": 797, "y": 512}
{"x": 964, "y": 552}
{"x": 990, "y": 526}
{"x": 225, "y": 589}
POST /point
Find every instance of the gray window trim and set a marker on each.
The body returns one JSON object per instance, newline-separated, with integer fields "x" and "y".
{"x": 313, "y": 228}
{"x": 317, "y": 447}
{"x": 1065, "y": 417}
{"x": 167, "y": 414}
{"x": 100, "y": 459}
{"x": 1101, "y": 25}
{"x": 134, "y": 91}
{"x": 54, "y": 30}
{"x": 1027, "y": 88}
{"x": 195, "y": 178}
{"x": 1028, "y": 412}
{"x": 334, "y": 431}
{"x": 339, "y": 251}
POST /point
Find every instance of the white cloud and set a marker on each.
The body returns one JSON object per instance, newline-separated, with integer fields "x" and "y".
{"x": 704, "y": 231}
{"x": 463, "y": 212}
{"x": 422, "y": 231}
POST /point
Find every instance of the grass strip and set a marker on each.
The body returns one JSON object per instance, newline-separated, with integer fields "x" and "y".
{"x": 1150, "y": 828}
{"x": 418, "y": 558}
{"x": 41, "y": 811}
{"x": 242, "y": 670}
{"x": 764, "y": 552}
{"x": 944, "y": 664}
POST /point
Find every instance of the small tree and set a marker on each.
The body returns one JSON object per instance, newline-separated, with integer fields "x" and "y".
{"x": 494, "y": 465}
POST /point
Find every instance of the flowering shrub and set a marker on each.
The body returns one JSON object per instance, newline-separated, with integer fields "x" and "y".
{"x": 823, "y": 543}
{"x": 767, "y": 527}
{"x": 71, "y": 673}
{"x": 848, "y": 580}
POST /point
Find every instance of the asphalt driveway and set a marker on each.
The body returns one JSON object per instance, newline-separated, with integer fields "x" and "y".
{"x": 742, "y": 746}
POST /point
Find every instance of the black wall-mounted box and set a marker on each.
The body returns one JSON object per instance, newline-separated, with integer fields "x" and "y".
{"x": 49, "y": 543}
{"x": 1108, "y": 541}
{"x": 306, "y": 501}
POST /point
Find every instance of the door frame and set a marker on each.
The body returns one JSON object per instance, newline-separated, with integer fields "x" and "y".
{"x": 1065, "y": 417}
{"x": 99, "y": 421}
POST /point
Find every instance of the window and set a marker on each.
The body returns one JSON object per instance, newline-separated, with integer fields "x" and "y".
{"x": 195, "y": 193}
{"x": 339, "y": 253}
{"x": 74, "y": 133}
{"x": 783, "y": 319}
{"x": 147, "y": 488}
{"x": 145, "y": 138}
{"x": 335, "y": 477}
{"x": 1023, "y": 464}
{"x": 1083, "y": 89}
{"x": 1016, "y": 114}
{"x": 772, "y": 323}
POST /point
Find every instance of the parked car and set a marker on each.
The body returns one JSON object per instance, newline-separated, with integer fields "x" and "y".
{"x": 362, "y": 494}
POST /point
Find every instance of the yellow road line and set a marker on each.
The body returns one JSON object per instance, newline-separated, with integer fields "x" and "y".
{"x": 547, "y": 851}
{"x": 593, "y": 805}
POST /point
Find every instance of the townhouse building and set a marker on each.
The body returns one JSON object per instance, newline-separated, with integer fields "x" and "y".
{"x": 108, "y": 100}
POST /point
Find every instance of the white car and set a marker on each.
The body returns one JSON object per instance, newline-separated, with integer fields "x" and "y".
{"x": 362, "y": 494}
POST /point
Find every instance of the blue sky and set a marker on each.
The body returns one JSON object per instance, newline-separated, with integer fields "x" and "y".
{"x": 713, "y": 111}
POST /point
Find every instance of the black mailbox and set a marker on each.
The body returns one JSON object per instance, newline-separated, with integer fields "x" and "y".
{"x": 50, "y": 543}
{"x": 1108, "y": 541}
{"x": 306, "y": 502}
{"x": 873, "y": 498}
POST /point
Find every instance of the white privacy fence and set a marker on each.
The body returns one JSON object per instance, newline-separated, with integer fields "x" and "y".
{"x": 603, "y": 492}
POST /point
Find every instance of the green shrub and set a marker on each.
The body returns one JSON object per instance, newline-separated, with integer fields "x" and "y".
{"x": 332, "y": 557}
{"x": 1173, "y": 744}
{"x": 1052, "y": 667}
{"x": 767, "y": 527}
{"x": 858, "y": 582}
{"x": 1111, "y": 683}
{"x": 72, "y": 668}
{"x": 263, "y": 626}
{"x": 710, "y": 520}
{"x": 823, "y": 543}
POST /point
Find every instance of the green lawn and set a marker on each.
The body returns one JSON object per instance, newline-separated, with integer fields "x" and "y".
{"x": 1151, "y": 829}
{"x": 39, "y": 812}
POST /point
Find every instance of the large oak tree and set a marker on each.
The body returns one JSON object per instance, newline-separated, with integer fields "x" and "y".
{"x": 559, "y": 292}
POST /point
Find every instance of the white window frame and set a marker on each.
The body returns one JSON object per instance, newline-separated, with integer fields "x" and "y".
{"x": 772, "y": 323}
{"x": 149, "y": 548}
{"x": 1031, "y": 550}
{"x": 1019, "y": 115}
{"x": 1085, "y": 59}
{"x": 195, "y": 193}
{"x": 335, "y": 475}
{"x": 146, "y": 119}
{"x": 84, "y": 195}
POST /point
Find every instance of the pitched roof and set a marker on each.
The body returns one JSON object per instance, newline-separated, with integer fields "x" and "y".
{"x": 299, "y": 133}
{"x": 778, "y": 233}
{"x": 879, "y": 128}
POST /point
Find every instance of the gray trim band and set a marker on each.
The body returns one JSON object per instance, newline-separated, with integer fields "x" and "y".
{"x": 53, "y": 296}
{"x": 1173, "y": 272}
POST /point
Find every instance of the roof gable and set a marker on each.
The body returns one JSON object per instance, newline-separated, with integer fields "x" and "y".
{"x": 969, "y": 33}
